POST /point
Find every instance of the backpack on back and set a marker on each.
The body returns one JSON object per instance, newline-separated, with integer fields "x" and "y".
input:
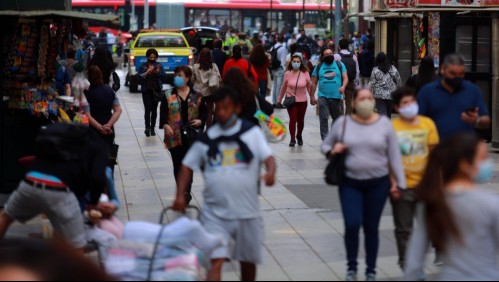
{"x": 274, "y": 60}
{"x": 366, "y": 63}
{"x": 349, "y": 62}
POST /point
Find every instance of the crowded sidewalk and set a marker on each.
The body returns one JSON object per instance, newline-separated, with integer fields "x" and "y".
{"x": 303, "y": 221}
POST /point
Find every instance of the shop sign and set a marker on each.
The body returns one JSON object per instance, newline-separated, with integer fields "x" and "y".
{"x": 394, "y": 4}
{"x": 461, "y": 3}
{"x": 429, "y": 2}
{"x": 489, "y": 3}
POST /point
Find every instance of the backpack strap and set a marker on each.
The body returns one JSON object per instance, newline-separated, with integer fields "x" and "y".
{"x": 213, "y": 143}
{"x": 341, "y": 74}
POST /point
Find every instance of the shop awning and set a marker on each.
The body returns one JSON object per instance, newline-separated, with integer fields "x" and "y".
{"x": 384, "y": 14}
{"x": 66, "y": 14}
{"x": 408, "y": 12}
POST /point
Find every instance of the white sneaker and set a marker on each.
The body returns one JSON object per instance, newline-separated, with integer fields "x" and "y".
{"x": 351, "y": 276}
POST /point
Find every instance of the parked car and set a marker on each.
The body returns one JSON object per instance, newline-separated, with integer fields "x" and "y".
{"x": 173, "y": 49}
{"x": 206, "y": 34}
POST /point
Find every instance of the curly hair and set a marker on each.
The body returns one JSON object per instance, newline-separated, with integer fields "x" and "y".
{"x": 236, "y": 79}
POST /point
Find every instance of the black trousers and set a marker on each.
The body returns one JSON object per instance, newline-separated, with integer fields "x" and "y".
{"x": 178, "y": 155}
{"x": 150, "y": 108}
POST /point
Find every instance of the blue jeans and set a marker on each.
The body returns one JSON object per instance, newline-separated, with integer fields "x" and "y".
{"x": 278, "y": 76}
{"x": 362, "y": 203}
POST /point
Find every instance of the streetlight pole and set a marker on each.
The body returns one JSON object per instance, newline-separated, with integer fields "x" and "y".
{"x": 337, "y": 26}
{"x": 303, "y": 15}
{"x": 146, "y": 14}
{"x": 271, "y": 13}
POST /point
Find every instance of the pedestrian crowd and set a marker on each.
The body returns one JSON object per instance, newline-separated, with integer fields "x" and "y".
{"x": 428, "y": 161}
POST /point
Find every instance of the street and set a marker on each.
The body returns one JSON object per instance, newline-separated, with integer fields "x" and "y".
{"x": 302, "y": 215}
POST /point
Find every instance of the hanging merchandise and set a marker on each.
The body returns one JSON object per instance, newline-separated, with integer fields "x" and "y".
{"x": 419, "y": 39}
{"x": 434, "y": 37}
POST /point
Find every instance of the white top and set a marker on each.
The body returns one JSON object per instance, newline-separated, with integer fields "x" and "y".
{"x": 476, "y": 213}
{"x": 231, "y": 183}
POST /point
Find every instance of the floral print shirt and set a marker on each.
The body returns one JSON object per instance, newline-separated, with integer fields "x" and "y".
{"x": 383, "y": 84}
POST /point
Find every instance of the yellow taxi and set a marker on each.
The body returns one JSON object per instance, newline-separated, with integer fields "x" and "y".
{"x": 173, "y": 50}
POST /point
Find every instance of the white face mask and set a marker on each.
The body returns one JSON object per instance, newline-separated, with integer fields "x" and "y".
{"x": 410, "y": 111}
{"x": 365, "y": 108}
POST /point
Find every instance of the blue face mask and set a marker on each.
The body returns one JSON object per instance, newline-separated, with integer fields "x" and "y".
{"x": 485, "y": 172}
{"x": 296, "y": 65}
{"x": 178, "y": 81}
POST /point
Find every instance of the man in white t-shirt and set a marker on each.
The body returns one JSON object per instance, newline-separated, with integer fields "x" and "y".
{"x": 230, "y": 155}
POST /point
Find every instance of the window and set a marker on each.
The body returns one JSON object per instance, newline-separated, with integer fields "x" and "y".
{"x": 161, "y": 41}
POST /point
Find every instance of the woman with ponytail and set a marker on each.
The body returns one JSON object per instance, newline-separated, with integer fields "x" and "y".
{"x": 461, "y": 220}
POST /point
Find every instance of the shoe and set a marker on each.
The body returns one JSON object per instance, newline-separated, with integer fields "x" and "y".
{"x": 351, "y": 276}
{"x": 439, "y": 260}
{"x": 153, "y": 133}
{"x": 147, "y": 132}
{"x": 370, "y": 277}
{"x": 188, "y": 198}
{"x": 292, "y": 143}
{"x": 300, "y": 140}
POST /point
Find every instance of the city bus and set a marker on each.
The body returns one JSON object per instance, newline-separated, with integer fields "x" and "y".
{"x": 243, "y": 15}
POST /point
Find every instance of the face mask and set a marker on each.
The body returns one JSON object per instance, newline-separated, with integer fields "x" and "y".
{"x": 409, "y": 112}
{"x": 455, "y": 83}
{"x": 178, "y": 81}
{"x": 485, "y": 172}
{"x": 365, "y": 108}
{"x": 329, "y": 59}
{"x": 233, "y": 34}
{"x": 152, "y": 61}
{"x": 230, "y": 122}
{"x": 296, "y": 65}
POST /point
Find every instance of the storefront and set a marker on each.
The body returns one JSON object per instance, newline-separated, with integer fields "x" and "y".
{"x": 440, "y": 27}
{"x": 31, "y": 43}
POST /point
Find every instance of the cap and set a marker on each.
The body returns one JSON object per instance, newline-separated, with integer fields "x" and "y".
{"x": 192, "y": 33}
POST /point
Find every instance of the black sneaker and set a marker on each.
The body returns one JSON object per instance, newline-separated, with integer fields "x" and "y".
{"x": 147, "y": 132}
{"x": 153, "y": 133}
{"x": 292, "y": 143}
{"x": 188, "y": 198}
{"x": 300, "y": 140}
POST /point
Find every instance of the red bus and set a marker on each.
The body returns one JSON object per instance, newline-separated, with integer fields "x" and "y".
{"x": 244, "y": 15}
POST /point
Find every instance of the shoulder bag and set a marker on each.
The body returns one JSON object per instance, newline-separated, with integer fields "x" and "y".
{"x": 214, "y": 80}
{"x": 274, "y": 129}
{"x": 335, "y": 171}
{"x": 290, "y": 101}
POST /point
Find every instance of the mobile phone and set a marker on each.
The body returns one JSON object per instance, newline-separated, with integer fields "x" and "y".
{"x": 471, "y": 110}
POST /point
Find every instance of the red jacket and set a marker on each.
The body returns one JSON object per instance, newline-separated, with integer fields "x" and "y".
{"x": 243, "y": 65}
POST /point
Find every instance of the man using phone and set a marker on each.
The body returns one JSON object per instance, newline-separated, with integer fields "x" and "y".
{"x": 454, "y": 104}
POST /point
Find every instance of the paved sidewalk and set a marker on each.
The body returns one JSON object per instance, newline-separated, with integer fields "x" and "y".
{"x": 302, "y": 217}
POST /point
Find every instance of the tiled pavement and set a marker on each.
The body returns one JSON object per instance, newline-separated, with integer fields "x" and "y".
{"x": 303, "y": 242}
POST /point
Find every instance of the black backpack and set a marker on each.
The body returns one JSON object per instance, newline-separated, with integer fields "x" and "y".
{"x": 116, "y": 82}
{"x": 274, "y": 60}
{"x": 349, "y": 62}
{"x": 62, "y": 142}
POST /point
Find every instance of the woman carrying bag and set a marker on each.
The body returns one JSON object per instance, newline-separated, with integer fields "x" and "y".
{"x": 182, "y": 116}
{"x": 205, "y": 78}
{"x": 295, "y": 86}
{"x": 372, "y": 152}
